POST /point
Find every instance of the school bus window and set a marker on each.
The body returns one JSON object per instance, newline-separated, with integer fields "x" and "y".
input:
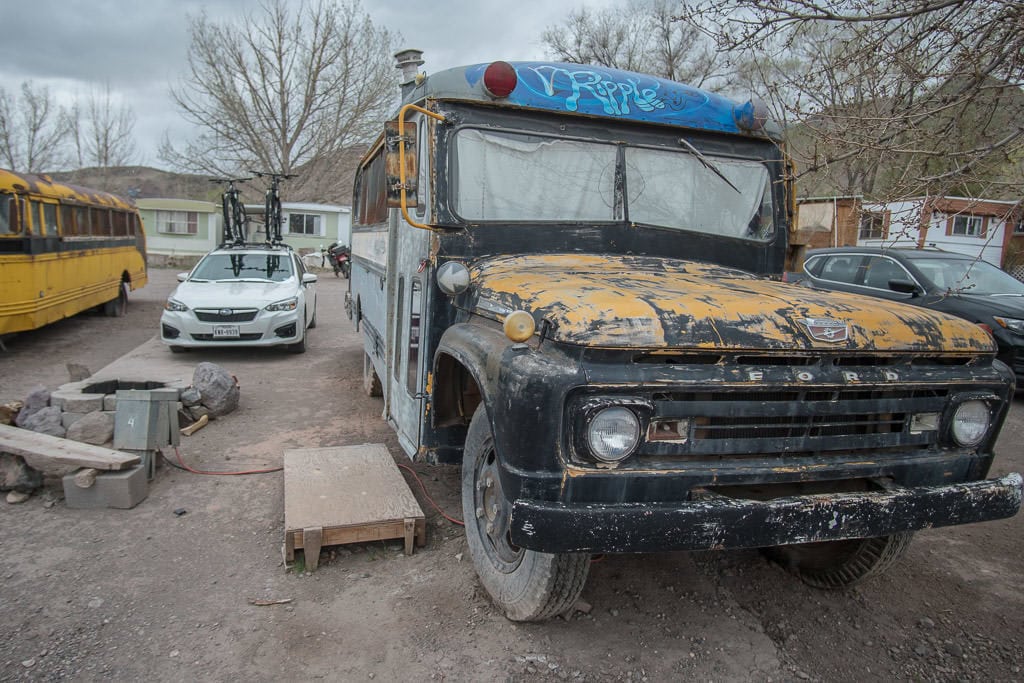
{"x": 100, "y": 221}
{"x": 81, "y": 221}
{"x": 401, "y": 316}
{"x": 119, "y": 220}
{"x": 416, "y": 303}
{"x": 32, "y": 224}
{"x": 8, "y": 216}
{"x": 50, "y": 220}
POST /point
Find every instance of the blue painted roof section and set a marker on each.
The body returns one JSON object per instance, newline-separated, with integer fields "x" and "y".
{"x": 600, "y": 91}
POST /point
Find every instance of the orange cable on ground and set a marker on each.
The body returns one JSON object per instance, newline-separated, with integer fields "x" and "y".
{"x": 181, "y": 465}
{"x": 424, "y": 488}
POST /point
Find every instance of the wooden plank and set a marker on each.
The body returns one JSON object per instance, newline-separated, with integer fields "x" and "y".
{"x": 40, "y": 450}
{"x": 353, "y": 494}
{"x": 311, "y": 542}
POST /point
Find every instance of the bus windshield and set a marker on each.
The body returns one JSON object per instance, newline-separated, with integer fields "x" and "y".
{"x": 502, "y": 176}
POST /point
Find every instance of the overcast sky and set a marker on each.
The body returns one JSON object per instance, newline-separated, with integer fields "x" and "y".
{"x": 139, "y": 47}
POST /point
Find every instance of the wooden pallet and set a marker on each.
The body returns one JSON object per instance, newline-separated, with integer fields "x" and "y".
{"x": 346, "y": 494}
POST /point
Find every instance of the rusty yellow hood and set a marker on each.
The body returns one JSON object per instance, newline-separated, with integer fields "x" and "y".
{"x": 645, "y": 302}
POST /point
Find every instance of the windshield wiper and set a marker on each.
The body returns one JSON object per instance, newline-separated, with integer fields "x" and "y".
{"x": 708, "y": 164}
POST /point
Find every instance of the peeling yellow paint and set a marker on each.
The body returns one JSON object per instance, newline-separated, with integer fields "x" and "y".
{"x": 644, "y": 302}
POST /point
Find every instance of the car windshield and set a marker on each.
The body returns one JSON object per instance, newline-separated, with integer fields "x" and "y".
{"x": 969, "y": 277}
{"x": 518, "y": 177}
{"x": 259, "y": 267}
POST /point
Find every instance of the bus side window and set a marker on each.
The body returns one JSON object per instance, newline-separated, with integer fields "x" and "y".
{"x": 8, "y": 215}
{"x": 100, "y": 221}
{"x": 400, "y": 308}
{"x": 50, "y": 220}
{"x": 34, "y": 223}
{"x": 120, "y": 223}
{"x": 81, "y": 221}
{"x": 415, "y": 313}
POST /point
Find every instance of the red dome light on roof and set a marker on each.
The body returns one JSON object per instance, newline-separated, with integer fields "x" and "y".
{"x": 500, "y": 79}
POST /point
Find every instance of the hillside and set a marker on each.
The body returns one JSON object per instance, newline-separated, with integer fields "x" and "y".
{"x": 325, "y": 181}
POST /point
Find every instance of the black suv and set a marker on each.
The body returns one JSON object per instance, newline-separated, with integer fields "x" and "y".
{"x": 940, "y": 280}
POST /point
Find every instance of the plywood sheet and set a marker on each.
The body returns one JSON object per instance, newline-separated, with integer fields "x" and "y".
{"x": 40, "y": 450}
{"x": 350, "y": 493}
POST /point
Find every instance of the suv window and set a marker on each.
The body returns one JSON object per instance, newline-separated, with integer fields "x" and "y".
{"x": 881, "y": 269}
{"x": 841, "y": 268}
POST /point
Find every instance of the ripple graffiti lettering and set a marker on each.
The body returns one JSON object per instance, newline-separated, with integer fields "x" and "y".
{"x": 614, "y": 96}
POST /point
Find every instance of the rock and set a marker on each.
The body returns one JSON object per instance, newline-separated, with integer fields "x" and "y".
{"x": 219, "y": 390}
{"x": 9, "y": 411}
{"x": 96, "y": 428}
{"x": 954, "y": 650}
{"x": 191, "y": 397}
{"x": 37, "y": 399}
{"x": 15, "y": 475}
{"x": 46, "y": 421}
{"x": 67, "y": 419}
{"x": 185, "y": 417}
{"x": 925, "y": 622}
{"x": 16, "y": 497}
{"x": 582, "y": 606}
{"x": 77, "y": 372}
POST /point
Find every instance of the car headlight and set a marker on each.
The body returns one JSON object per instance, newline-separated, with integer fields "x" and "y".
{"x": 286, "y": 305}
{"x": 175, "y": 305}
{"x": 613, "y": 433}
{"x": 1012, "y": 324}
{"x": 971, "y": 422}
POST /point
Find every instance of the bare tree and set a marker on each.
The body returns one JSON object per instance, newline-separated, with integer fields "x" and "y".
{"x": 33, "y": 130}
{"x": 890, "y": 98}
{"x": 104, "y": 132}
{"x": 645, "y": 36}
{"x": 286, "y": 86}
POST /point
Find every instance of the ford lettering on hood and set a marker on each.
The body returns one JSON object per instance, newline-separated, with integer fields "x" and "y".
{"x": 648, "y": 302}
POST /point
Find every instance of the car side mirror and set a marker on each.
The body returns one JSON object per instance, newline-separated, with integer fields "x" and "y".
{"x": 309, "y": 278}
{"x": 904, "y": 286}
{"x": 182, "y": 277}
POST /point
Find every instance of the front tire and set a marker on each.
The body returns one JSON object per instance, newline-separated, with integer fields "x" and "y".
{"x": 839, "y": 564}
{"x": 525, "y": 584}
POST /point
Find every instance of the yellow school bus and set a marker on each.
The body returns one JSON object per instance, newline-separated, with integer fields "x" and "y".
{"x": 64, "y": 249}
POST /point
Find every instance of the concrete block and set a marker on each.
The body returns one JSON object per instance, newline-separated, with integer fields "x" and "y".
{"x": 67, "y": 419}
{"x": 71, "y": 401}
{"x": 110, "y": 402}
{"x": 123, "y": 489}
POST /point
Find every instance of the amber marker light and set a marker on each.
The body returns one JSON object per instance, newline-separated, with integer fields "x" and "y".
{"x": 519, "y": 326}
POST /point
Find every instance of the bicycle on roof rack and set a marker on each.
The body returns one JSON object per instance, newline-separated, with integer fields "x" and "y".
{"x": 236, "y": 226}
{"x": 272, "y": 206}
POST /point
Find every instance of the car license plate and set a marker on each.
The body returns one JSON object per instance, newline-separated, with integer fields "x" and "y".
{"x": 225, "y": 331}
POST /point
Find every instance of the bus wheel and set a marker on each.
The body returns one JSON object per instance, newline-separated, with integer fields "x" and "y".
{"x": 525, "y": 584}
{"x": 838, "y": 564}
{"x": 371, "y": 382}
{"x": 116, "y": 308}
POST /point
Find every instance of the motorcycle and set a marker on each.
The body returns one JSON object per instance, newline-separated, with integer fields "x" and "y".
{"x": 338, "y": 255}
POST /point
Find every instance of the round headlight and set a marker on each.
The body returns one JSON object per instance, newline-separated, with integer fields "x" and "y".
{"x": 613, "y": 433}
{"x": 519, "y": 326}
{"x": 970, "y": 423}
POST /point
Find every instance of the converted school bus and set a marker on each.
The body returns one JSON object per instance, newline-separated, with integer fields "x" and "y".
{"x": 561, "y": 276}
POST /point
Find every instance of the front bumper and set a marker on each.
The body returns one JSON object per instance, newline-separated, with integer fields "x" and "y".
{"x": 261, "y": 331}
{"x": 714, "y": 522}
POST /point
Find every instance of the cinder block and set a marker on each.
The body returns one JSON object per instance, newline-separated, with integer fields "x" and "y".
{"x": 75, "y": 402}
{"x": 123, "y": 489}
{"x": 110, "y": 402}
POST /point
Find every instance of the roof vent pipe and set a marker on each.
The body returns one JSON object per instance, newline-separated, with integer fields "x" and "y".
{"x": 409, "y": 61}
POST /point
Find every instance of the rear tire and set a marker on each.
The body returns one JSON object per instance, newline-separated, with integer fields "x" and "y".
{"x": 838, "y": 564}
{"x": 117, "y": 307}
{"x": 371, "y": 382}
{"x": 525, "y": 584}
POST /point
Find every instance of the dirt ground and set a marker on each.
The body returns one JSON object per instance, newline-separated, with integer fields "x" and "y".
{"x": 145, "y": 594}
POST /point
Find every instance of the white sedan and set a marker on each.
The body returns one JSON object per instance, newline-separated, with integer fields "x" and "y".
{"x": 242, "y": 296}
